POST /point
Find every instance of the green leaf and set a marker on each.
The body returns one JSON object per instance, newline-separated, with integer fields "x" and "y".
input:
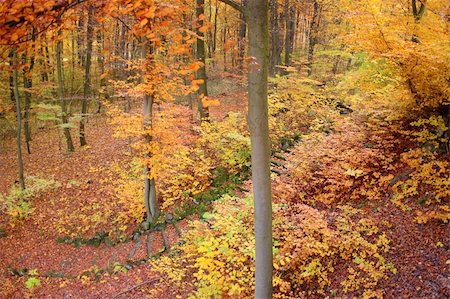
{"x": 32, "y": 282}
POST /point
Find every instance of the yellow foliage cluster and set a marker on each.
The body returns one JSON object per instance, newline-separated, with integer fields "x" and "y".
{"x": 295, "y": 108}
{"x": 181, "y": 171}
{"x": 428, "y": 183}
{"x": 219, "y": 251}
{"x": 128, "y": 189}
{"x": 17, "y": 203}
{"x": 227, "y": 143}
{"x": 416, "y": 44}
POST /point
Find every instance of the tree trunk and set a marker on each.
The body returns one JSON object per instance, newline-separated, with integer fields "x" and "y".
{"x": 200, "y": 55}
{"x": 257, "y": 16}
{"x": 241, "y": 38}
{"x": 27, "y": 84}
{"x": 87, "y": 74}
{"x": 313, "y": 35}
{"x": 101, "y": 65}
{"x": 64, "y": 117}
{"x": 150, "y": 196}
{"x": 19, "y": 119}
{"x": 80, "y": 31}
{"x": 275, "y": 55}
{"x": 290, "y": 28}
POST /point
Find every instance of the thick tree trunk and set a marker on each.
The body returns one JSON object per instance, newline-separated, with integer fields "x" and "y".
{"x": 150, "y": 198}
{"x": 64, "y": 117}
{"x": 257, "y": 16}
{"x": 150, "y": 195}
{"x": 87, "y": 74}
{"x": 19, "y": 119}
{"x": 200, "y": 55}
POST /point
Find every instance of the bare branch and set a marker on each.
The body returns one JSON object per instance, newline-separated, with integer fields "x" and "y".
{"x": 135, "y": 287}
{"x": 234, "y": 5}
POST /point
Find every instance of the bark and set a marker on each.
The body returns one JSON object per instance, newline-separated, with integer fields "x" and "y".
{"x": 87, "y": 74}
{"x": 42, "y": 61}
{"x": 200, "y": 55}
{"x": 64, "y": 117}
{"x": 101, "y": 65}
{"x": 27, "y": 83}
{"x": 80, "y": 30}
{"x": 225, "y": 27}
{"x": 313, "y": 35}
{"x": 418, "y": 12}
{"x": 150, "y": 196}
{"x": 241, "y": 38}
{"x": 216, "y": 14}
{"x": 290, "y": 28}
{"x": 275, "y": 53}
{"x": 19, "y": 120}
{"x": 257, "y": 14}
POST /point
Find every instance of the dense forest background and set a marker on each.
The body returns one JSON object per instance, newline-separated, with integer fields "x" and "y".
{"x": 126, "y": 147}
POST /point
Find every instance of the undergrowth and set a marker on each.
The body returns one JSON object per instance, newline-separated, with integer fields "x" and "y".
{"x": 17, "y": 204}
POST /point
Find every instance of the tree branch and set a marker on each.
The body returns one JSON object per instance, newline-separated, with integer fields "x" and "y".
{"x": 66, "y": 5}
{"x": 135, "y": 287}
{"x": 234, "y": 5}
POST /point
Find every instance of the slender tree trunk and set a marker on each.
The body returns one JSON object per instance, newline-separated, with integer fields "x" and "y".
{"x": 27, "y": 84}
{"x": 290, "y": 28}
{"x": 313, "y": 35}
{"x": 275, "y": 57}
{"x": 19, "y": 119}
{"x": 257, "y": 16}
{"x": 64, "y": 117}
{"x": 42, "y": 61}
{"x": 216, "y": 13}
{"x": 241, "y": 38}
{"x": 72, "y": 89}
{"x": 80, "y": 31}
{"x": 225, "y": 40}
{"x": 101, "y": 64}
{"x": 87, "y": 74}
{"x": 200, "y": 55}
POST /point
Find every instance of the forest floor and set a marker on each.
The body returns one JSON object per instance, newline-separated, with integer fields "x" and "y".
{"x": 31, "y": 244}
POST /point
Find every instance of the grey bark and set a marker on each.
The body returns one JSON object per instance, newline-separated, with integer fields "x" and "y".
{"x": 289, "y": 13}
{"x": 64, "y": 117}
{"x": 28, "y": 83}
{"x": 257, "y": 14}
{"x": 19, "y": 119}
{"x": 275, "y": 53}
{"x": 87, "y": 74}
{"x": 150, "y": 196}
{"x": 313, "y": 35}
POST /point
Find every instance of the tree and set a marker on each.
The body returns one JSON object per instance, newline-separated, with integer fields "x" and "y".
{"x": 257, "y": 17}
{"x": 64, "y": 118}
{"x": 19, "y": 119}
{"x": 200, "y": 53}
{"x": 313, "y": 34}
{"x": 87, "y": 73}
